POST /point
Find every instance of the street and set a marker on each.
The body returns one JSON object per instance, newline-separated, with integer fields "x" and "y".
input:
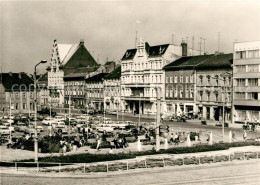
{"x": 246, "y": 172}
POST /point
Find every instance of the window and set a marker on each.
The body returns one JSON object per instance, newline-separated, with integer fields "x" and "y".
{"x": 201, "y": 79}
{"x": 16, "y": 106}
{"x": 241, "y": 115}
{"x": 175, "y": 93}
{"x": 252, "y": 82}
{"x": 167, "y": 79}
{"x": 240, "y": 96}
{"x": 24, "y": 95}
{"x": 187, "y": 79}
{"x": 17, "y": 95}
{"x": 171, "y": 79}
{"x": 181, "y": 79}
{"x": 24, "y": 105}
{"x": 171, "y": 93}
{"x": 191, "y": 93}
{"x": 175, "y": 79}
{"x": 240, "y": 68}
{"x": 253, "y": 68}
{"x": 241, "y": 82}
{"x": 208, "y": 77}
{"x": 187, "y": 93}
{"x": 181, "y": 93}
{"x": 167, "y": 92}
{"x": 241, "y": 55}
{"x": 191, "y": 78}
{"x": 252, "y": 96}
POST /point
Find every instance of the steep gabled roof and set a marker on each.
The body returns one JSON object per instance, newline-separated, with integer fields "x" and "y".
{"x": 129, "y": 54}
{"x": 97, "y": 78}
{"x": 80, "y": 58}
{"x": 217, "y": 61}
{"x": 86, "y": 69}
{"x": 66, "y": 51}
{"x": 158, "y": 50}
{"x": 116, "y": 74}
{"x": 150, "y": 50}
{"x": 16, "y": 82}
{"x": 187, "y": 62}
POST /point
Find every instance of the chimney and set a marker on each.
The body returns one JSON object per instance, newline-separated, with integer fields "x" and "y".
{"x": 20, "y": 75}
{"x": 81, "y": 42}
{"x": 10, "y": 73}
{"x": 184, "y": 48}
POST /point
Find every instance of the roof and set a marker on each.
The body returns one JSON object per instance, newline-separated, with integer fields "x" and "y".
{"x": 187, "y": 62}
{"x": 97, "y": 78}
{"x": 116, "y": 74}
{"x": 86, "y": 69}
{"x": 44, "y": 77}
{"x": 109, "y": 63}
{"x": 150, "y": 50}
{"x": 80, "y": 58}
{"x": 75, "y": 76}
{"x": 66, "y": 51}
{"x": 16, "y": 81}
{"x": 217, "y": 61}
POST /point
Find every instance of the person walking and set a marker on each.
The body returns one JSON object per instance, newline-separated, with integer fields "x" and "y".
{"x": 98, "y": 138}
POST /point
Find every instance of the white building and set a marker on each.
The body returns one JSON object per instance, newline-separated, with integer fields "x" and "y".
{"x": 142, "y": 74}
{"x": 112, "y": 85}
{"x": 66, "y": 59}
{"x": 246, "y": 70}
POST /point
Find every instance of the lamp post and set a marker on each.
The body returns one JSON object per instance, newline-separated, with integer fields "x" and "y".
{"x": 35, "y": 109}
{"x": 158, "y": 118}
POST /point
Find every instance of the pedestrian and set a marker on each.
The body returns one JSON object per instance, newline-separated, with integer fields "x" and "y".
{"x": 176, "y": 138}
{"x": 98, "y": 138}
{"x": 244, "y": 135}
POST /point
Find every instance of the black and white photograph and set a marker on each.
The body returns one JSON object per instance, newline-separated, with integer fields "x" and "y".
{"x": 129, "y": 92}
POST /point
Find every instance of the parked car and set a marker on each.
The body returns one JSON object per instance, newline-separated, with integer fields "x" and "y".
{"x": 48, "y": 121}
{"x": 21, "y": 127}
{"x": 4, "y": 130}
{"x": 112, "y": 112}
{"x": 218, "y": 124}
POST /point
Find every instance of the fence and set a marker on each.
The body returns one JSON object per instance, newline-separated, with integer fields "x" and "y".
{"x": 137, "y": 163}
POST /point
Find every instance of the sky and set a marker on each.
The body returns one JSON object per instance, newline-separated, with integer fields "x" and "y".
{"x": 108, "y": 28}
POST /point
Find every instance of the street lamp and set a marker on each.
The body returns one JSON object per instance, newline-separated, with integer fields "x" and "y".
{"x": 35, "y": 109}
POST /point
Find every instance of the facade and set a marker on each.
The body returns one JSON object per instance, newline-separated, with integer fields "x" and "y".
{"x": 214, "y": 87}
{"x": 142, "y": 74}
{"x": 74, "y": 87}
{"x": 180, "y": 85}
{"x": 246, "y": 81}
{"x": 95, "y": 91}
{"x": 112, "y": 86}
{"x": 43, "y": 90}
{"x": 66, "y": 59}
{"x": 16, "y": 93}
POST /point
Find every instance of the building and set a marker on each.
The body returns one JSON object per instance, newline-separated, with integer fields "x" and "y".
{"x": 246, "y": 70}
{"x": 74, "y": 87}
{"x": 16, "y": 93}
{"x": 43, "y": 90}
{"x": 112, "y": 86}
{"x": 95, "y": 91}
{"x": 142, "y": 74}
{"x": 180, "y": 85}
{"x": 66, "y": 59}
{"x": 214, "y": 87}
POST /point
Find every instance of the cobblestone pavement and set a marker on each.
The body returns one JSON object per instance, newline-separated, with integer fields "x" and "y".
{"x": 244, "y": 172}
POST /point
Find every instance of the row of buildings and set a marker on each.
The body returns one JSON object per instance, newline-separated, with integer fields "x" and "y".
{"x": 213, "y": 86}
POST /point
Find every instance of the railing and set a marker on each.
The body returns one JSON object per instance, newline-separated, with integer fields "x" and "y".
{"x": 137, "y": 163}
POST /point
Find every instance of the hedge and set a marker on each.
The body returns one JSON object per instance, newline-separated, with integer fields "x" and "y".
{"x": 89, "y": 158}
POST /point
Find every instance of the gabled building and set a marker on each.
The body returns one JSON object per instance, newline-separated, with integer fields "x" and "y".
{"x": 16, "y": 93}
{"x": 142, "y": 74}
{"x": 66, "y": 59}
{"x": 180, "y": 85}
{"x": 112, "y": 85}
{"x": 214, "y": 87}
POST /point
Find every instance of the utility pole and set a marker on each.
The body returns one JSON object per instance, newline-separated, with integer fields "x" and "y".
{"x": 69, "y": 113}
{"x": 35, "y": 118}
{"x": 158, "y": 119}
